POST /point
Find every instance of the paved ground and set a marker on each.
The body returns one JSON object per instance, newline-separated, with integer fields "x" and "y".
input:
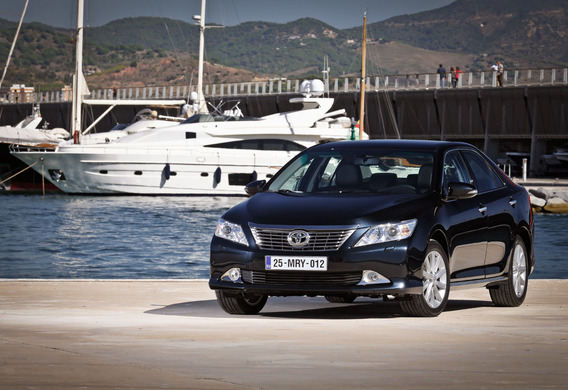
{"x": 172, "y": 334}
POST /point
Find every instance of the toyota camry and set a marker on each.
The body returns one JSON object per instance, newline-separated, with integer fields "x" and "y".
{"x": 391, "y": 219}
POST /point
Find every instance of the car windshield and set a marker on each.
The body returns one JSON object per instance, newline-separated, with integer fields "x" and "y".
{"x": 367, "y": 171}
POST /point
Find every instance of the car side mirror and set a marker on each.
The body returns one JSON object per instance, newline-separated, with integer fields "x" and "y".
{"x": 254, "y": 187}
{"x": 458, "y": 190}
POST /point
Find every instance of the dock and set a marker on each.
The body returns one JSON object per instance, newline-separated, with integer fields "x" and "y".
{"x": 549, "y": 184}
{"x": 148, "y": 334}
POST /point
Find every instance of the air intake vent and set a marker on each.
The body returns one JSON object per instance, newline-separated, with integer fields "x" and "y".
{"x": 284, "y": 278}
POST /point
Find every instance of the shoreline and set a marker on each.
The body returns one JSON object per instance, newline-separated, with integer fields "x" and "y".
{"x": 547, "y": 195}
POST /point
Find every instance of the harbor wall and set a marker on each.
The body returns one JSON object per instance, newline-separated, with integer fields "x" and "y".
{"x": 529, "y": 120}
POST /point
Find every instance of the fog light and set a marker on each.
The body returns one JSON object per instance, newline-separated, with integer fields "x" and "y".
{"x": 232, "y": 275}
{"x": 372, "y": 277}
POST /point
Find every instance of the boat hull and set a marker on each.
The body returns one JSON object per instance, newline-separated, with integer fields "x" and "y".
{"x": 149, "y": 172}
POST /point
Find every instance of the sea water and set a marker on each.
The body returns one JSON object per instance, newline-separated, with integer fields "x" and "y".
{"x": 110, "y": 237}
{"x": 137, "y": 237}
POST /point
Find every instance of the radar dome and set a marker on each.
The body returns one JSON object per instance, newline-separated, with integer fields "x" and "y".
{"x": 312, "y": 87}
{"x": 317, "y": 87}
{"x": 305, "y": 86}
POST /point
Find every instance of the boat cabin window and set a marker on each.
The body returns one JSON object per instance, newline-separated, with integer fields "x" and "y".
{"x": 260, "y": 144}
{"x": 201, "y": 118}
{"x": 241, "y": 179}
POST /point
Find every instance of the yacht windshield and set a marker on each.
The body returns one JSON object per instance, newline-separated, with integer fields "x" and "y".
{"x": 367, "y": 171}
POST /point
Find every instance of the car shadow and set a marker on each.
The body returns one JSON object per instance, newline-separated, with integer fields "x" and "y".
{"x": 310, "y": 308}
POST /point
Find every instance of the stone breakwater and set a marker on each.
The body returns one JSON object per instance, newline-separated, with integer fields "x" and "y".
{"x": 547, "y": 201}
{"x": 548, "y": 195}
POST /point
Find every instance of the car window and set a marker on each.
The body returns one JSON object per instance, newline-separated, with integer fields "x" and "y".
{"x": 455, "y": 169}
{"x": 291, "y": 177}
{"x": 484, "y": 177}
{"x": 357, "y": 171}
{"x": 328, "y": 173}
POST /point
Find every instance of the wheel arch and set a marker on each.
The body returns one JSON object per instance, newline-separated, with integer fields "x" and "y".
{"x": 439, "y": 236}
{"x": 525, "y": 234}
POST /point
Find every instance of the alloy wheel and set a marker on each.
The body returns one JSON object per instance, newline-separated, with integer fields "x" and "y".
{"x": 434, "y": 279}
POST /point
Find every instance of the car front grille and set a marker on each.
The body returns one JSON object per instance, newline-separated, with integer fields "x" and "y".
{"x": 284, "y": 278}
{"x": 320, "y": 239}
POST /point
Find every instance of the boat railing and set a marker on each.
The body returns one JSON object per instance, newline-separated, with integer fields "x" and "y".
{"x": 388, "y": 82}
{"x": 31, "y": 148}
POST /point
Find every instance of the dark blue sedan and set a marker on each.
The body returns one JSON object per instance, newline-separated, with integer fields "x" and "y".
{"x": 404, "y": 220}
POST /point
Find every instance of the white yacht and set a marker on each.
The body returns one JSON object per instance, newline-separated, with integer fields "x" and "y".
{"x": 206, "y": 154}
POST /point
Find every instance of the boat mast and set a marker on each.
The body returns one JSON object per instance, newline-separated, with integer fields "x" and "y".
{"x": 200, "y": 97}
{"x": 14, "y": 43}
{"x": 77, "y": 79}
{"x": 363, "y": 75}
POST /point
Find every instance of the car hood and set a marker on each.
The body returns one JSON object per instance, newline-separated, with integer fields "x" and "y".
{"x": 328, "y": 209}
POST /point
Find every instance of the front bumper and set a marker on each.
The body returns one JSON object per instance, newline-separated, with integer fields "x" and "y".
{"x": 396, "y": 287}
{"x": 394, "y": 261}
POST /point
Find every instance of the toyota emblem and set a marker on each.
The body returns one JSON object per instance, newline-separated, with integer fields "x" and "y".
{"x": 298, "y": 238}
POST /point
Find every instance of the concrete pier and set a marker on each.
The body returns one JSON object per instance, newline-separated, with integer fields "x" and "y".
{"x": 148, "y": 334}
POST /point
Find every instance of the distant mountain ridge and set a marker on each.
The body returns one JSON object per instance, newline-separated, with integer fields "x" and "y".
{"x": 160, "y": 51}
{"x": 528, "y": 31}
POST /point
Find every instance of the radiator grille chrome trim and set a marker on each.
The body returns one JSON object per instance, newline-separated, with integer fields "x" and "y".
{"x": 321, "y": 239}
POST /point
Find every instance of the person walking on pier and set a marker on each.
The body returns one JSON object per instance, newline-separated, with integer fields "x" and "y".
{"x": 442, "y": 72}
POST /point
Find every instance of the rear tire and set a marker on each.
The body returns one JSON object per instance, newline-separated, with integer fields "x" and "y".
{"x": 436, "y": 285}
{"x": 241, "y": 303}
{"x": 512, "y": 293}
{"x": 340, "y": 298}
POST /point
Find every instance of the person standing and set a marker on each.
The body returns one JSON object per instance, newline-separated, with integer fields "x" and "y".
{"x": 499, "y": 74}
{"x": 458, "y": 75}
{"x": 442, "y": 72}
{"x": 497, "y": 69}
{"x": 453, "y": 76}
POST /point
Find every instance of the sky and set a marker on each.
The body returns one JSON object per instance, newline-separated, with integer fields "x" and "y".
{"x": 337, "y": 13}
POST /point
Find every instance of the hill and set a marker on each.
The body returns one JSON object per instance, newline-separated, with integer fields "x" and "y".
{"x": 522, "y": 33}
{"x": 160, "y": 51}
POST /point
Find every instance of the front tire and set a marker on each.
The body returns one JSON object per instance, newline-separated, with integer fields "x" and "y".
{"x": 436, "y": 285}
{"x": 512, "y": 293}
{"x": 241, "y": 303}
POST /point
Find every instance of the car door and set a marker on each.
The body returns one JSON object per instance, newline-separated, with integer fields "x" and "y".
{"x": 467, "y": 224}
{"x": 496, "y": 198}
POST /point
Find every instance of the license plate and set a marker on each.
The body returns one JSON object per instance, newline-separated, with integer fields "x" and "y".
{"x": 296, "y": 263}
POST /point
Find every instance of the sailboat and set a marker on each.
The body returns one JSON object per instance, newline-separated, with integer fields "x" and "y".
{"x": 204, "y": 155}
{"x": 80, "y": 91}
{"x": 26, "y": 134}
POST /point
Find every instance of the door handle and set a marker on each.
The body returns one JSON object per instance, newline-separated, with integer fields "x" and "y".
{"x": 482, "y": 209}
{"x": 513, "y": 202}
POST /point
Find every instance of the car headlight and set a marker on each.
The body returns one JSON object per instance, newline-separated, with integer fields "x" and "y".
{"x": 231, "y": 231}
{"x": 387, "y": 232}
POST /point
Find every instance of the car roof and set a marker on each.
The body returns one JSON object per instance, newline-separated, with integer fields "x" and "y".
{"x": 422, "y": 145}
